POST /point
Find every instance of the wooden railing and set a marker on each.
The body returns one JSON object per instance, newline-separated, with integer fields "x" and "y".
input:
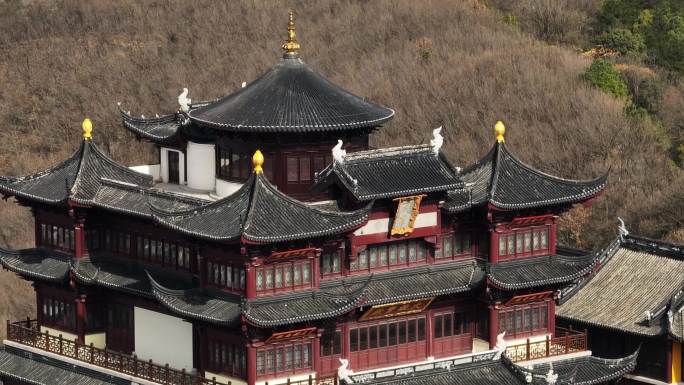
{"x": 308, "y": 381}
{"x": 28, "y": 333}
{"x": 566, "y": 341}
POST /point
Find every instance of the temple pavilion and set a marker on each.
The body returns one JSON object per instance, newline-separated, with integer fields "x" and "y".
{"x": 270, "y": 245}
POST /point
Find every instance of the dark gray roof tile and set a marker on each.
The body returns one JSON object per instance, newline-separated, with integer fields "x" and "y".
{"x": 258, "y": 212}
{"x": 637, "y": 284}
{"x": 501, "y": 179}
{"x": 540, "y": 271}
{"x": 37, "y": 263}
{"x": 391, "y": 172}
{"x": 290, "y": 97}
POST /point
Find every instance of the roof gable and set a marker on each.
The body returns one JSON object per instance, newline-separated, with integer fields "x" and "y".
{"x": 259, "y": 213}
{"x": 392, "y": 172}
{"x": 504, "y": 181}
{"x": 77, "y": 178}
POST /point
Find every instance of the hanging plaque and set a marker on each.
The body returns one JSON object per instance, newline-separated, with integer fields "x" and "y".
{"x": 405, "y": 217}
{"x": 396, "y": 309}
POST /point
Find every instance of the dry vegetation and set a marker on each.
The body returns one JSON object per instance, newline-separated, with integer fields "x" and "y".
{"x": 451, "y": 63}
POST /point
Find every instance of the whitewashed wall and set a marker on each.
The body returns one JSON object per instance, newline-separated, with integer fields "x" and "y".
{"x": 225, "y": 188}
{"x": 163, "y": 339}
{"x": 201, "y": 166}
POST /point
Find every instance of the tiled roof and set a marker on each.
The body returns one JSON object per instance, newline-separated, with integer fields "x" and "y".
{"x": 78, "y": 178}
{"x": 415, "y": 283}
{"x": 540, "y": 271}
{"x": 637, "y": 284}
{"x": 203, "y": 304}
{"x": 391, "y": 172}
{"x": 126, "y": 275}
{"x": 160, "y": 130}
{"x": 334, "y": 297}
{"x": 28, "y": 368}
{"x": 585, "y": 370}
{"x": 501, "y": 179}
{"x": 291, "y": 98}
{"x": 36, "y": 263}
{"x": 259, "y": 213}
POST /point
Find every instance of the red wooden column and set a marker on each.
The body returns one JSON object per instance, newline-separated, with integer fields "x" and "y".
{"x": 552, "y": 316}
{"x": 493, "y": 325}
{"x": 250, "y": 276}
{"x": 316, "y": 269}
{"x": 553, "y": 236}
{"x": 430, "y": 338}
{"x": 345, "y": 339}
{"x": 317, "y": 352}
{"x": 251, "y": 364}
{"x": 493, "y": 245}
{"x": 80, "y": 244}
{"x": 81, "y": 318}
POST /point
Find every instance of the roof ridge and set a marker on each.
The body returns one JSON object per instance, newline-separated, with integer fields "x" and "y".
{"x": 653, "y": 246}
{"x": 574, "y": 182}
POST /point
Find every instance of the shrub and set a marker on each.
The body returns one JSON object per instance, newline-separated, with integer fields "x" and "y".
{"x": 622, "y": 40}
{"x": 665, "y": 36}
{"x": 602, "y": 75}
{"x": 620, "y": 13}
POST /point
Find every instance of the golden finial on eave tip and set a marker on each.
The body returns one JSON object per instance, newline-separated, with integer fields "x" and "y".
{"x": 291, "y": 45}
{"x": 258, "y": 161}
{"x": 500, "y": 130}
{"x": 87, "y": 126}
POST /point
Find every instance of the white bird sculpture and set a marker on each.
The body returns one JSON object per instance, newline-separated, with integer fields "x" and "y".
{"x": 343, "y": 372}
{"x": 437, "y": 140}
{"x": 500, "y": 345}
{"x": 184, "y": 101}
{"x": 551, "y": 377}
{"x": 338, "y": 152}
{"x": 622, "y": 229}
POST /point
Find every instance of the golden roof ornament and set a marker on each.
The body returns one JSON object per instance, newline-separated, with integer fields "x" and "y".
{"x": 500, "y": 130}
{"x": 87, "y": 126}
{"x": 258, "y": 162}
{"x": 291, "y": 45}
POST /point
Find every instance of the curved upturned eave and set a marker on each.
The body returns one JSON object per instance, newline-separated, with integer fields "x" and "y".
{"x": 152, "y": 128}
{"x": 291, "y": 98}
{"x": 13, "y": 259}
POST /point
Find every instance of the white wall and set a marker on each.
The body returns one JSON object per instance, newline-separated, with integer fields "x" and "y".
{"x": 225, "y": 188}
{"x": 149, "y": 169}
{"x": 164, "y": 167}
{"x": 201, "y": 166}
{"x": 163, "y": 339}
{"x": 382, "y": 225}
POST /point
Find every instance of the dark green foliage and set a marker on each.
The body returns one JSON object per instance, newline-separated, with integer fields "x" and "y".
{"x": 619, "y": 13}
{"x": 622, "y": 40}
{"x": 602, "y": 75}
{"x": 665, "y": 36}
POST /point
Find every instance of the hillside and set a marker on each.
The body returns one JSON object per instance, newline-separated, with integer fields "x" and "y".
{"x": 449, "y": 63}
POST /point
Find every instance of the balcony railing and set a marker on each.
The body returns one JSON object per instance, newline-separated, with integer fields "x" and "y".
{"x": 566, "y": 341}
{"x": 308, "y": 381}
{"x": 28, "y": 333}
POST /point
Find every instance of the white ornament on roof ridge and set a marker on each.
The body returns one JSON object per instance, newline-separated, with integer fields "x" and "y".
{"x": 343, "y": 372}
{"x": 243, "y": 84}
{"x": 338, "y": 152}
{"x": 551, "y": 377}
{"x": 437, "y": 140}
{"x": 184, "y": 101}
{"x": 500, "y": 345}
{"x": 622, "y": 229}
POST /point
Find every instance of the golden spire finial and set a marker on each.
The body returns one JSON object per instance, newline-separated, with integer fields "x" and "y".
{"x": 87, "y": 126}
{"x": 291, "y": 46}
{"x": 500, "y": 130}
{"x": 258, "y": 161}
